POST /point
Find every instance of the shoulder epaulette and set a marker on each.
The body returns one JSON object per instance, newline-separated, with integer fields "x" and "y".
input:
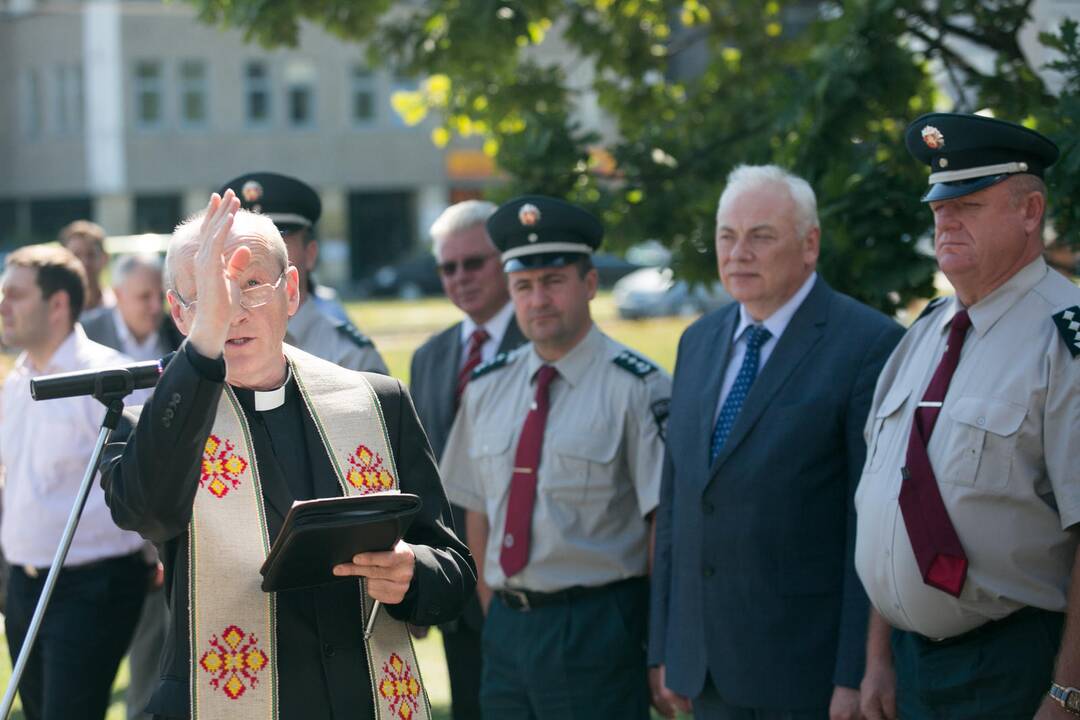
{"x": 499, "y": 361}
{"x": 1068, "y": 324}
{"x": 634, "y": 363}
{"x": 354, "y": 336}
{"x": 930, "y": 307}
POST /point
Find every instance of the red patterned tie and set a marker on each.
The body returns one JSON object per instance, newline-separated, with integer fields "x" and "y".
{"x": 472, "y": 359}
{"x": 519, "y": 511}
{"x": 934, "y": 541}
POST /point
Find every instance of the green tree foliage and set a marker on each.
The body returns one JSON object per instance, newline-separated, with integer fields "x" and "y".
{"x": 693, "y": 87}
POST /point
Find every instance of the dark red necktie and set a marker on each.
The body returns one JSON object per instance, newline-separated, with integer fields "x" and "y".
{"x": 934, "y": 541}
{"x": 519, "y": 511}
{"x": 472, "y": 360}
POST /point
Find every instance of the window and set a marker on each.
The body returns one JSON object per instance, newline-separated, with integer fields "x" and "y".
{"x": 148, "y": 94}
{"x": 300, "y": 93}
{"x": 362, "y": 92}
{"x": 402, "y": 84}
{"x": 193, "y": 110}
{"x": 257, "y": 93}
{"x": 32, "y": 102}
{"x": 67, "y": 98}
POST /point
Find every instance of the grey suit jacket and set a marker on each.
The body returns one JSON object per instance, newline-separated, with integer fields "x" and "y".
{"x": 101, "y": 328}
{"x": 754, "y": 577}
{"x": 432, "y": 382}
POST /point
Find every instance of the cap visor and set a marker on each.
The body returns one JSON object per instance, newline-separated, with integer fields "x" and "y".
{"x": 541, "y": 260}
{"x": 950, "y": 190}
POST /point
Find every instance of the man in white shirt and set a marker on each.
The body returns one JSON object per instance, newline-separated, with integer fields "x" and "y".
{"x": 45, "y": 448}
{"x": 474, "y": 281}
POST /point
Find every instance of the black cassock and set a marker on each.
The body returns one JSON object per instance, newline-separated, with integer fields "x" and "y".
{"x": 150, "y": 483}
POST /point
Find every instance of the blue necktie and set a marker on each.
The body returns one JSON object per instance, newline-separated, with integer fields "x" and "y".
{"x": 756, "y": 335}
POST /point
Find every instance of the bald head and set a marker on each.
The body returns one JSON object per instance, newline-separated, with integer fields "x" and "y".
{"x": 257, "y": 232}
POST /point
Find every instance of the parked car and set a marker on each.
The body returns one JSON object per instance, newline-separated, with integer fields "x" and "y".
{"x": 654, "y": 292}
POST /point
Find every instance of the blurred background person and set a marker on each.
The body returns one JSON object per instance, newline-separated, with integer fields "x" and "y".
{"x": 100, "y": 589}
{"x": 473, "y": 280}
{"x": 319, "y": 326}
{"x": 86, "y": 240}
{"x": 138, "y": 327}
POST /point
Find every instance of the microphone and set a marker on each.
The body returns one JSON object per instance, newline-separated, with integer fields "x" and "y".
{"x": 100, "y": 382}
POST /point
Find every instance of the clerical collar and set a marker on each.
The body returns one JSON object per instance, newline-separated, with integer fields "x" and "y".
{"x": 272, "y": 399}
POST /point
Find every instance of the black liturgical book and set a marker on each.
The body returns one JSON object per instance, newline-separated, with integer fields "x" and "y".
{"x": 319, "y": 534}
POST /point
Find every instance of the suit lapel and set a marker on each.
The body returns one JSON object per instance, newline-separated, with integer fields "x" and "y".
{"x": 802, "y": 333}
{"x": 714, "y": 365}
{"x": 446, "y": 373}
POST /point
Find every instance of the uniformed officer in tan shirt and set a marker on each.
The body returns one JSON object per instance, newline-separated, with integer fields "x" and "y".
{"x": 319, "y": 326}
{"x": 1002, "y": 452}
{"x": 562, "y": 543}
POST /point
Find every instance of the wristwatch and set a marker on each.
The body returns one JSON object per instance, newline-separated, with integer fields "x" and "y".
{"x": 1068, "y": 697}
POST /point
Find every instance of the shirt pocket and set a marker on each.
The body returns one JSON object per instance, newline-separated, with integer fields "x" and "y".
{"x": 983, "y": 441}
{"x": 583, "y": 459}
{"x": 492, "y": 454}
{"x": 884, "y": 431}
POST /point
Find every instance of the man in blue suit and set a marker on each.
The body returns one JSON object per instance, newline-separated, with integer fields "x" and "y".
{"x": 757, "y": 613}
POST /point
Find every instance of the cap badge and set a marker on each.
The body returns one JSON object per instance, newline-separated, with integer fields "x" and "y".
{"x": 933, "y": 137}
{"x": 529, "y": 214}
{"x": 252, "y": 191}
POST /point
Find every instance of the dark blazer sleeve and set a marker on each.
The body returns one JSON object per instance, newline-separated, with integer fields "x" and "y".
{"x": 445, "y": 574}
{"x": 150, "y": 480}
{"x": 851, "y": 647}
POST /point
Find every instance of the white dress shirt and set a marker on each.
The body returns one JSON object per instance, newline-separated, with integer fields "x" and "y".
{"x": 775, "y": 324}
{"x": 44, "y": 449}
{"x": 496, "y": 329}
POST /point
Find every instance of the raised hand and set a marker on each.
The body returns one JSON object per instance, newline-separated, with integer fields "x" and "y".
{"x": 217, "y": 292}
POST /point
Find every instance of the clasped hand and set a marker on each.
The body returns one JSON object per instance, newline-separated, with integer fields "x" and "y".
{"x": 388, "y": 573}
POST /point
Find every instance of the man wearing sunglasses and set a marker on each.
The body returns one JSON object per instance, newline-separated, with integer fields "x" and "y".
{"x": 320, "y": 325}
{"x": 473, "y": 279}
{"x": 240, "y": 426}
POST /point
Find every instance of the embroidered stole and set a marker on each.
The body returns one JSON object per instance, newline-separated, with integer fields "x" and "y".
{"x": 234, "y": 664}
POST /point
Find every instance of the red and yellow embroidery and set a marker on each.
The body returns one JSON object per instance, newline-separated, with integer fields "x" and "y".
{"x": 367, "y": 473}
{"x": 221, "y": 467}
{"x": 400, "y": 688}
{"x": 234, "y": 663}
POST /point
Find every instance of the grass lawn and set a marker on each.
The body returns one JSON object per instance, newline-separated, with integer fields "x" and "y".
{"x": 398, "y": 327}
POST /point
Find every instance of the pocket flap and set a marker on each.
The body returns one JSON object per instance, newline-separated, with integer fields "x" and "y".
{"x": 492, "y": 443}
{"x": 894, "y": 399}
{"x": 997, "y": 416}
{"x": 597, "y": 447}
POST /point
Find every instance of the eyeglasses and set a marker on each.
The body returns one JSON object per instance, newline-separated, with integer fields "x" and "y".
{"x": 469, "y": 264}
{"x": 250, "y": 299}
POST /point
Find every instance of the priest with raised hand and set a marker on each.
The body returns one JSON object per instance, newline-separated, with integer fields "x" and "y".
{"x": 239, "y": 427}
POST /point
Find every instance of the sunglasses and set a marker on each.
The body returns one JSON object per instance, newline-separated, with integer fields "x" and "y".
{"x": 469, "y": 264}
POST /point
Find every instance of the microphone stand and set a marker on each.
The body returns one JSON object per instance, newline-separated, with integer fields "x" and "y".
{"x": 112, "y": 395}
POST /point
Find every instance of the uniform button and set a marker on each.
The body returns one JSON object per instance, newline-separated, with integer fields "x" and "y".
{"x": 707, "y": 571}
{"x": 980, "y": 421}
{"x": 328, "y": 650}
{"x": 706, "y": 507}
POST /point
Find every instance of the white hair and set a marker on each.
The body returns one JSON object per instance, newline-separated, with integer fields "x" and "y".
{"x": 128, "y": 264}
{"x": 752, "y": 177}
{"x": 460, "y": 216}
{"x": 185, "y": 239}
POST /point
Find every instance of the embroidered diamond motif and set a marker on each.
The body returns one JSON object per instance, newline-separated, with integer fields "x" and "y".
{"x": 399, "y": 687}
{"x": 1074, "y": 325}
{"x": 221, "y": 467}
{"x": 1068, "y": 315}
{"x": 234, "y": 661}
{"x": 367, "y": 473}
